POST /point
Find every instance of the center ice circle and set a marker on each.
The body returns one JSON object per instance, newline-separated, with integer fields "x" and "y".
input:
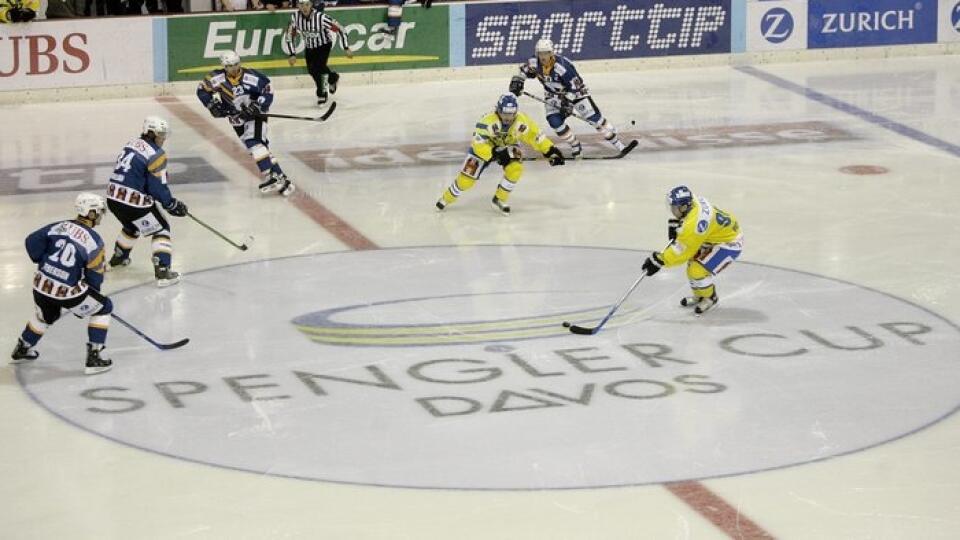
{"x": 448, "y": 367}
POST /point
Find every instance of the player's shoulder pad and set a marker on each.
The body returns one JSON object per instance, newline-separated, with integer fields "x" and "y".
{"x": 487, "y": 120}
{"x": 698, "y": 219}
{"x": 523, "y": 122}
{"x": 96, "y": 238}
{"x": 254, "y": 77}
{"x": 217, "y": 77}
{"x": 158, "y": 161}
{"x": 145, "y": 149}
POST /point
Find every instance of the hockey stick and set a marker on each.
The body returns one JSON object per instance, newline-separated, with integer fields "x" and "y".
{"x": 626, "y": 150}
{"x": 241, "y": 247}
{"x": 573, "y": 112}
{"x": 161, "y": 346}
{"x": 583, "y": 330}
{"x": 321, "y": 118}
{"x": 623, "y": 153}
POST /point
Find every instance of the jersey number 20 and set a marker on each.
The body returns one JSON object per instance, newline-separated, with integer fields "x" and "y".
{"x": 66, "y": 253}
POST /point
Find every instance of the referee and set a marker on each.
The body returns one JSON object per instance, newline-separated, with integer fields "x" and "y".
{"x": 317, "y": 29}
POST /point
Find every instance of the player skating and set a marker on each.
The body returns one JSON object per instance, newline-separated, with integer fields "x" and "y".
{"x": 566, "y": 95}
{"x": 70, "y": 263}
{"x": 243, "y": 95}
{"x": 137, "y": 190}
{"x": 497, "y": 137}
{"x": 703, "y": 236}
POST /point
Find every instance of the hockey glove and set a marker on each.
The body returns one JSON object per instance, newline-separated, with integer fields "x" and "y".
{"x": 251, "y": 111}
{"x": 566, "y": 107}
{"x": 516, "y": 85}
{"x": 217, "y": 108}
{"x": 673, "y": 225}
{"x": 653, "y": 264}
{"x": 555, "y": 157}
{"x": 21, "y": 14}
{"x": 176, "y": 208}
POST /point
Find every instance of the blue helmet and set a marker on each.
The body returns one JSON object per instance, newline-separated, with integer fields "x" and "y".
{"x": 507, "y": 104}
{"x": 680, "y": 197}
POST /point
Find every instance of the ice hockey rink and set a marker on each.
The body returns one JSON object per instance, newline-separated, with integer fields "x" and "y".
{"x": 370, "y": 368}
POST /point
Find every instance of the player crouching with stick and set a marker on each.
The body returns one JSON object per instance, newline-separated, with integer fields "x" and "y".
{"x": 705, "y": 237}
{"x": 497, "y": 137}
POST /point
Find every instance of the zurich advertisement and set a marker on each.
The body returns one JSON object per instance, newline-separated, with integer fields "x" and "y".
{"x": 499, "y": 33}
{"x": 859, "y": 23}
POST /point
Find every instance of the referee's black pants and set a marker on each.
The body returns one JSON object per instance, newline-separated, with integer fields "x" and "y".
{"x": 317, "y": 58}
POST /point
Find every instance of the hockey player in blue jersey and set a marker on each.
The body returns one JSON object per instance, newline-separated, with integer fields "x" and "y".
{"x": 137, "y": 190}
{"x": 70, "y": 263}
{"x": 566, "y": 95}
{"x": 243, "y": 95}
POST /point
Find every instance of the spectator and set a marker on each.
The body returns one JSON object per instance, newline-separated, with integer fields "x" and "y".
{"x": 273, "y": 5}
{"x": 16, "y": 11}
{"x": 233, "y": 5}
{"x": 61, "y": 9}
{"x": 101, "y": 6}
{"x": 135, "y": 7}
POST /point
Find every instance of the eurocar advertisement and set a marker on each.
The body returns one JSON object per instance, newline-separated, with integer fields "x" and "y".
{"x": 499, "y": 33}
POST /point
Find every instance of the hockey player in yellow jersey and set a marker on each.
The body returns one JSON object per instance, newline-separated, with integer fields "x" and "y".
{"x": 705, "y": 237}
{"x": 497, "y": 137}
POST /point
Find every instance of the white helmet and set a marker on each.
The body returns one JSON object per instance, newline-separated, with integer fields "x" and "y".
{"x": 155, "y": 125}
{"x": 229, "y": 58}
{"x": 90, "y": 201}
{"x": 544, "y": 45}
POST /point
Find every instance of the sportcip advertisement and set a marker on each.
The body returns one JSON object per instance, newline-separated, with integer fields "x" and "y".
{"x": 501, "y": 33}
{"x": 861, "y": 23}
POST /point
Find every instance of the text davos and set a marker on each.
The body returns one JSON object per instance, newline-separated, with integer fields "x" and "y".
{"x": 543, "y": 384}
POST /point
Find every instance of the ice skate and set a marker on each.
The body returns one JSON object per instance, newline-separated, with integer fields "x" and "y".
{"x": 22, "y": 353}
{"x": 96, "y": 363}
{"x": 500, "y": 206}
{"x": 164, "y": 275}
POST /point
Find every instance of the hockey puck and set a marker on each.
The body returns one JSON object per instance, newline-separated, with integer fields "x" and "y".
{"x": 566, "y": 324}
{"x": 633, "y": 122}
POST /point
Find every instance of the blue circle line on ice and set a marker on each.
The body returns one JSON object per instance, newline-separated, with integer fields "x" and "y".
{"x": 21, "y": 369}
{"x": 320, "y": 327}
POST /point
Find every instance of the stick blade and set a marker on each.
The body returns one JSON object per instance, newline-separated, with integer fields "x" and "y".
{"x": 329, "y": 113}
{"x": 583, "y": 331}
{"x": 174, "y": 345}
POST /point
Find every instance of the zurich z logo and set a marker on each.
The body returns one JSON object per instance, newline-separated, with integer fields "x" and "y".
{"x": 955, "y": 17}
{"x": 776, "y": 25}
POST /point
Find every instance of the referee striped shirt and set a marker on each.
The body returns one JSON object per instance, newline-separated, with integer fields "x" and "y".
{"x": 317, "y": 28}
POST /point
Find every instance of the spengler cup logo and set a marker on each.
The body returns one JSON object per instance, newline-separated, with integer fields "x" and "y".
{"x": 447, "y": 367}
{"x": 776, "y": 26}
